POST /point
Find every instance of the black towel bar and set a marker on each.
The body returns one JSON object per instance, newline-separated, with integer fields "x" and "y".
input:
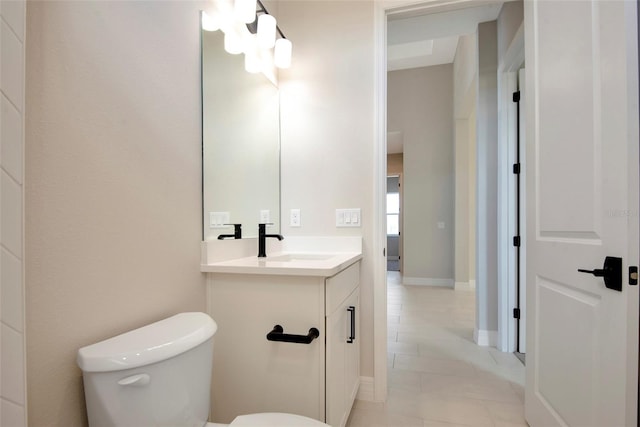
{"x": 277, "y": 334}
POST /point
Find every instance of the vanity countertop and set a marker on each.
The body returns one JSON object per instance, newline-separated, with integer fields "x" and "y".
{"x": 287, "y": 264}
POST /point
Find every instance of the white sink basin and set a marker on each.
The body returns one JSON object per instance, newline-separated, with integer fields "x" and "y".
{"x": 299, "y": 257}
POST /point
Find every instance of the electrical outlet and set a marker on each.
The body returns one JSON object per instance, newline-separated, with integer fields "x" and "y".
{"x": 295, "y": 218}
{"x": 265, "y": 216}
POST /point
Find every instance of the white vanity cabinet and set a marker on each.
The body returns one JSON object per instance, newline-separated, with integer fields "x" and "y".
{"x": 252, "y": 374}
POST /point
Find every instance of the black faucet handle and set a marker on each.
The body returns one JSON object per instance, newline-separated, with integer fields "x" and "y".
{"x": 237, "y": 231}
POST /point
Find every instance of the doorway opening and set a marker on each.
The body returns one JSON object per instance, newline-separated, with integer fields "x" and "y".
{"x": 394, "y": 221}
{"x": 486, "y": 335}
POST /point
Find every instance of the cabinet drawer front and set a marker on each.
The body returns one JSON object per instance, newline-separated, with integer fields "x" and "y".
{"x": 340, "y": 286}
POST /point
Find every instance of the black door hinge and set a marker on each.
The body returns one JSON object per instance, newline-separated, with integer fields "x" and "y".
{"x": 516, "y": 241}
{"x": 516, "y": 313}
{"x": 516, "y": 168}
{"x": 516, "y": 96}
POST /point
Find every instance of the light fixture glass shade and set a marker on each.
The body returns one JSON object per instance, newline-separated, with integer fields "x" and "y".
{"x": 266, "y": 31}
{"x": 210, "y": 22}
{"x": 245, "y": 10}
{"x": 282, "y": 53}
{"x": 233, "y": 43}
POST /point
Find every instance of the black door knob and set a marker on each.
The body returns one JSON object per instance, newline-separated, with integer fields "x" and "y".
{"x": 611, "y": 272}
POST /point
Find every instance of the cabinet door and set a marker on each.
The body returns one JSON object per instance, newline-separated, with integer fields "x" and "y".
{"x": 343, "y": 360}
{"x": 336, "y": 347}
{"x": 352, "y": 352}
{"x": 252, "y": 374}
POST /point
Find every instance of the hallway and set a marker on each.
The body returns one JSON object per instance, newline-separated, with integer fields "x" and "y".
{"x": 437, "y": 376}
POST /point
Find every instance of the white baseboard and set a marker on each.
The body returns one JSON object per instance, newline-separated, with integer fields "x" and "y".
{"x": 485, "y": 338}
{"x": 426, "y": 281}
{"x": 472, "y": 284}
{"x": 463, "y": 286}
{"x": 365, "y": 392}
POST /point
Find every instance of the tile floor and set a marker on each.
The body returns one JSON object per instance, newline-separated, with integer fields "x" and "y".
{"x": 437, "y": 376}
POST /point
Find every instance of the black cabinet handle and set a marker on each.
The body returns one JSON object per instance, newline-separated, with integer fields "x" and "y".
{"x": 277, "y": 334}
{"x": 352, "y": 337}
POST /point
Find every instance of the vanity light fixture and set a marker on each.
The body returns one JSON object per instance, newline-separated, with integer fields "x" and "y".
{"x": 250, "y": 29}
{"x": 245, "y": 10}
{"x": 209, "y": 22}
{"x": 266, "y": 31}
{"x": 282, "y": 53}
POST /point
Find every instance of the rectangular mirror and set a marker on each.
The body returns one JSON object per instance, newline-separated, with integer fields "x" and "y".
{"x": 241, "y": 144}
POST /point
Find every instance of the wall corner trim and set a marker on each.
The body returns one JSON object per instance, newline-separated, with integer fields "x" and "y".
{"x": 485, "y": 338}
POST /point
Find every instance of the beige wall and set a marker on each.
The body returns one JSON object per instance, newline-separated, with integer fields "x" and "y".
{"x": 487, "y": 182}
{"x": 420, "y": 104}
{"x": 12, "y": 330}
{"x": 465, "y": 73}
{"x": 112, "y": 183}
{"x": 471, "y": 158}
{"x": 327, "y": 129}
{"x": 509, "y": 20}
{"x": 394, "y": 164}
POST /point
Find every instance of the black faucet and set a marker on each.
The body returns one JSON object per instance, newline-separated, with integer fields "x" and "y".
{"x": 262, "y": 239}
{"x": 237, "y": 233}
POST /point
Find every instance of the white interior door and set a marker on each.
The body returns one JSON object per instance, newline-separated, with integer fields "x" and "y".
{"x": 582, "y": 173}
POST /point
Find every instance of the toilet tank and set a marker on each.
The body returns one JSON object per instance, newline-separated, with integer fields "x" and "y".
{"x": 157, "y": 375}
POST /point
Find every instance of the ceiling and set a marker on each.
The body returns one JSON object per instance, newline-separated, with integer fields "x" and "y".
{"x": 426, "y": 40}
{"x": 415, "y": 40}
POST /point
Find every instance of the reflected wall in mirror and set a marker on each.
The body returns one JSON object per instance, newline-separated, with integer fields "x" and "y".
{"x": 241, "y": 144}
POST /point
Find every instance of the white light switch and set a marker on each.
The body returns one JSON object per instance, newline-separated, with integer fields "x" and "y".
{"x": 348, "y": 217}
{"x": 218, "y": 219}
{"x": 295, "y": 218}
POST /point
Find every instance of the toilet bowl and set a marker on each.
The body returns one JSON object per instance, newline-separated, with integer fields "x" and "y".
{"x": 160, "y": 375}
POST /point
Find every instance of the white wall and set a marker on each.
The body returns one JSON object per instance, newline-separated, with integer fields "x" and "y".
{"x": 113, "y": 183}
{"x": 327, "y": 113}
{"x": 486, "y": 186}
{"x": 12, "y": 108}
{"x": 420, "y": 104}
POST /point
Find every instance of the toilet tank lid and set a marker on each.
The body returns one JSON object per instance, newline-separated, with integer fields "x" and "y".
{"x": 149, "y": 344}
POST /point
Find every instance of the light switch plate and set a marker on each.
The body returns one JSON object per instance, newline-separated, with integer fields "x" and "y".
{"x": 348, "y": 217}
{"x": 218, "y": 219}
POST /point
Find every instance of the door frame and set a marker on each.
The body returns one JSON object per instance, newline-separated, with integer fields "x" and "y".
{"x": 507, "y": 84}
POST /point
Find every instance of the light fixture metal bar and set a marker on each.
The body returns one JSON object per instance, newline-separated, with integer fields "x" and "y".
{"x": 263, "y": 9}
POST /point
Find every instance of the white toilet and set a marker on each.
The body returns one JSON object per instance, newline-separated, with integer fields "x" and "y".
{"x": 160, "y": 375}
